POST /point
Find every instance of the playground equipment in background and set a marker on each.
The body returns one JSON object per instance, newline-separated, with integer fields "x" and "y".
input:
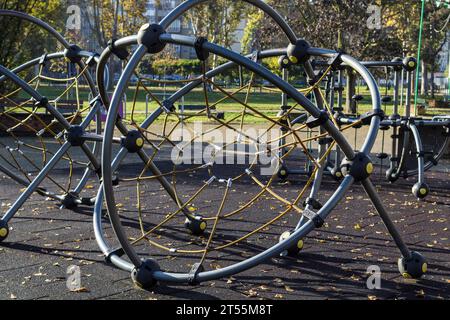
{"x": 417, "y": 143}
{"x": 44, "y": 118}
{"x": 151, "y": 143}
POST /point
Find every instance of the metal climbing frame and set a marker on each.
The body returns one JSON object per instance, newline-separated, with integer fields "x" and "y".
{"x": 357, "y": 166}
{"x": 28, "y": 151}
{"x": 411, "y": 135}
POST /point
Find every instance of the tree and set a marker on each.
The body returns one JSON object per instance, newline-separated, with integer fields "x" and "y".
{"x": 217, "y": 21}
{"x": 405, "y": 16}
{"x": 112, "y": 19}
{"x": 22, "y": 41}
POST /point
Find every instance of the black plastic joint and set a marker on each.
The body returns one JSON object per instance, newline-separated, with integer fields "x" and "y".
{"x": 133, "y": 141}
{"x": 87, "y": 201}
{"x": 325, "y": 141}
{"x": 69, "y": 201}
{"x": 120, "y": 53}
{"x": 298, "y": 52}
{"x": 202, "y": 54}
{"x": 168, "y": 106}
{"x": 43, "y": 103}
{"x": 314, "y": 217}
{"x": 316, "y": 205}
{"x": 318, "y": 221}
{"x": 74, "y": 135}
{"x": 314, "y": 122}
{"x": 91, "y": 61}
{"x": 410, "y": 64}
{"x": 284, "y": 62}
{"x": 149, "y": 36}
{"x": 72, "y": 53}
{"x": 360, "y": 168}
{"x": 336, "y": 61}
{"x": 367, "y": 117}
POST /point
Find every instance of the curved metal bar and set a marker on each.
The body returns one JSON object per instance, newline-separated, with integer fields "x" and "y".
{"x": 269, "y": 253}
{"x": 250, "y": 65}
{"x": 38, "y": 22}
{"x": 107, "y": 154}
{"x": 419, "y": 148}
{"x": 187, "y": 5}
{"x": 33, "y": 186}
{"x": 53, "y": 32}
{"x": 102, "y": 67}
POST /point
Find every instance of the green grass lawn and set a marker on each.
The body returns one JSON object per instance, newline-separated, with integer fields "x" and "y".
{"x": 263, "y": 100}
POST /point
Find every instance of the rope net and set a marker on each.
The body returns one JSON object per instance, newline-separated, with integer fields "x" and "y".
{"x": 205, "y": 187}
{"x": 31, "y": 134}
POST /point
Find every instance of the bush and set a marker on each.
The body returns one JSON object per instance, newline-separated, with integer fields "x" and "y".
{"x": 183, "y": 67}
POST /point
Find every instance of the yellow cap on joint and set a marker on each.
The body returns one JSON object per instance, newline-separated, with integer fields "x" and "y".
{"x": 139, "y": 142}
{"x": 3, "y": 232}
{"x": 369, "y": 168}
{"x": 300, "y": 244}
{"x": 285, "y": 61}
{"x": 285, "y": 235}
{"x": 406, "y": 275}
{"x": 338, "y": 174}
{"x": 423, "y": 191}
{"x": 293, "y": 59}
{"x": 424, "y": 267}
{"x": 203, "y": 225}
{"x": 283, "y": 172}
{"x": 412, "y": 64}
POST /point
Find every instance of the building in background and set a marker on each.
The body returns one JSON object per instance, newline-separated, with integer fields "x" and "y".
{"x": 183, "y": 26}
{"x": 156, "y": 13}
{"x": 442, "y": 77}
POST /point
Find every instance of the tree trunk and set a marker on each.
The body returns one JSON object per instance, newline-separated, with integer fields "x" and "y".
{"x": 351, "y": 103}
{"x": 432, "y": 83}
{"x": 424, "y": 84}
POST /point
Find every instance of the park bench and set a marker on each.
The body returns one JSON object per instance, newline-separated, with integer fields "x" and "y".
{"x": 196, "y": 107}
{"x": 11, "y": 119}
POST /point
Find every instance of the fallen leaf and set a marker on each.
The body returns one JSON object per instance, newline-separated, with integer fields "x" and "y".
{"x": 288, "y": 289}
{"x": 80, "y": 290}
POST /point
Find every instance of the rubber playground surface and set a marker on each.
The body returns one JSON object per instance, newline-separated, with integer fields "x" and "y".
{"x": 45, "y": 241}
